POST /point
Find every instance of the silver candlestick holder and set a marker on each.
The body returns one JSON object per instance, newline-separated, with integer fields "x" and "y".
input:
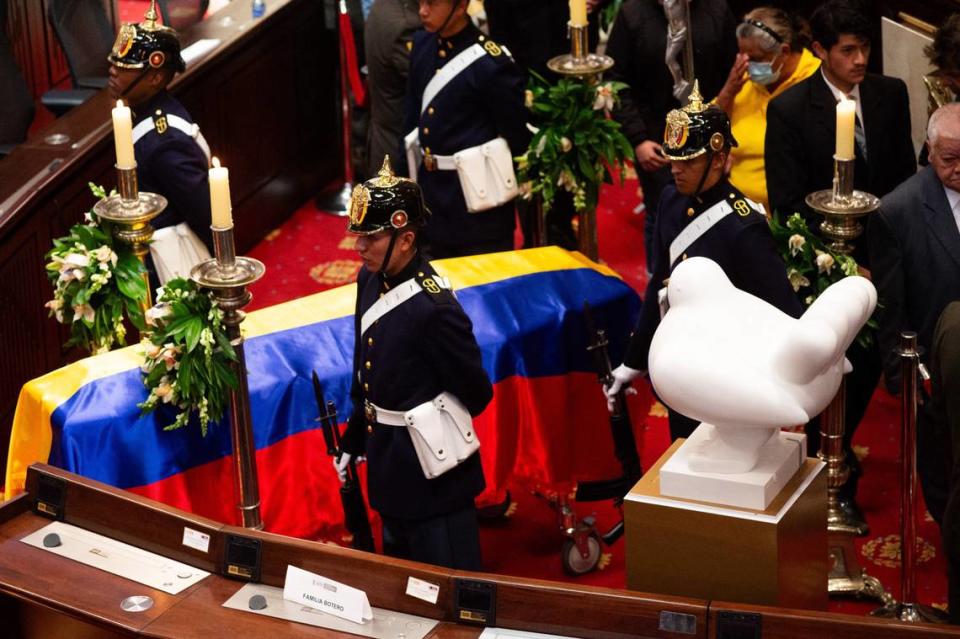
{"x": 586, "y": 67}
{"x": 842, "y": 208}
{"x": 228, "y": 275}
{"x": 130, "y": 212}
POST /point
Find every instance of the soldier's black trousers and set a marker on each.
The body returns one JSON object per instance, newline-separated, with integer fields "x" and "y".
{"x": 451, "y": 540}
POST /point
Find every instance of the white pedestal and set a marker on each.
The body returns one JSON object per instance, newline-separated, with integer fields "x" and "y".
{"x": 780, "y": 458}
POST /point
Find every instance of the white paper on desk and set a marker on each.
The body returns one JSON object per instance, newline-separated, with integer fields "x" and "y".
{"x": 501, "y": 633}
{"x": 333, "y": 597}
{"x": 199, "y": 49}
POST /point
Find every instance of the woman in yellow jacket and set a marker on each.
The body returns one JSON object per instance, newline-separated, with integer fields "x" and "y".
{"x": 773, "y": 57}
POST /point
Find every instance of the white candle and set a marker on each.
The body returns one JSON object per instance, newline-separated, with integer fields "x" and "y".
{"x": 220, "y": 211}
{"x": 846, "y": 117}
{"x": 123, "y": 136}
{"x": 578, "y": 13}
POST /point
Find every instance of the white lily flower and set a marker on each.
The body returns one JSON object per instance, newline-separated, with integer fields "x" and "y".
{"x": 795, "y": 243}
{"x": 84, "y": 312}
{"x": 566, "y": 144}
{"x": 825, "y": 262}
{"x": 105, "y": 254}
{"x": 155, "y": 312}
{"x": 604, "y": 99}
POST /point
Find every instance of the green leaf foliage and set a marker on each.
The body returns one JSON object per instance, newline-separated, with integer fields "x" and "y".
{"x": 97, "y": 283}
{"x": 577, "y": 146}
{"x": 811, "y": 266}
{"x": 189, "y": 358}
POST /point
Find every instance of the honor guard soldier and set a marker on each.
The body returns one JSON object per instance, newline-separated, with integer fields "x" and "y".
{"x": 172, "y": 156}
{"x": 702, "y": 214}
{"x": 466, "y": 119}
{"x": 417, "y": 381}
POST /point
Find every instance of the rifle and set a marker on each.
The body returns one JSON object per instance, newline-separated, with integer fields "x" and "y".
{"x": 624, "y": 444}
{"x": 351, "y": 492}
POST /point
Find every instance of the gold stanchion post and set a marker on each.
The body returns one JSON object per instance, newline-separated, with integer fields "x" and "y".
{"x": 228, "y": 276}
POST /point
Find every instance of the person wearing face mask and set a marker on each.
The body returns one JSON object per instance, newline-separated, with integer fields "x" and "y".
{"x": 773, "y": 57}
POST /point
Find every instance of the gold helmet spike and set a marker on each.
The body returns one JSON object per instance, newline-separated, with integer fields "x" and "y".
{"x": 386, "y": 176}
{"x": 695, "y": 101}
{"x": 150, "y": 17}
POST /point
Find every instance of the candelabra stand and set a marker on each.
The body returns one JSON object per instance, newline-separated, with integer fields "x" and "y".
{"x": 228, "y": 276}
{"x": 130, "y": 213}
{"x": 586, "y": 67}
{"x": 908, "y": 610}
{"x": 842, "y": 207}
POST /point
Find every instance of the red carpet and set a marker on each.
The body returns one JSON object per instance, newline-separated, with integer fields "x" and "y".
{"x": 311, "y": 252}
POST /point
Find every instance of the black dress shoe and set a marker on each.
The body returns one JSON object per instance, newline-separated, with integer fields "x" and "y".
{"x": 853, "y": 517}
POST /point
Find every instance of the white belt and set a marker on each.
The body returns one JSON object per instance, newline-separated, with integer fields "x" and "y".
{"x": 378, "y": 415}
{"x": 433, "y": 162}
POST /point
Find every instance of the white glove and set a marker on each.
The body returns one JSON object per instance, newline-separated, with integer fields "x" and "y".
{"x": 622, "y": 376}
{"x": 340, "y": 465}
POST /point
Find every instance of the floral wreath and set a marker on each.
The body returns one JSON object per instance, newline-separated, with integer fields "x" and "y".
{"x": 188, "y": 355}
{"x": 97, "y": 282}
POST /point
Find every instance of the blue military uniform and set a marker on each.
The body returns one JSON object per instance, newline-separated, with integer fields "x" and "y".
{"x": 741, "y": 243}
{"x": 484, "y": 101}
{"x": 718, "y": 223}
{"x": 172, "y": 162}
{"x": 423, "y": 347}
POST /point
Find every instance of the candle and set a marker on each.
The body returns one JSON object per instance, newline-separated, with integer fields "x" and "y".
{"x": 123, "y": 136}
{"x": 221, "y": 215}
{"x": 578, "y": 13}
{"x": 846, "y": 117}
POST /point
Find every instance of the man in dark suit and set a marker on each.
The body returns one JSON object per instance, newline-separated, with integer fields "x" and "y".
{"x": 638, "y": 44}
{"x": 388, "y": 35}
{"x": 945, "y": 378}
{"x": 802, "y": 126}
{"x": 915, "y": 254}
{"x": 800, "y": 144}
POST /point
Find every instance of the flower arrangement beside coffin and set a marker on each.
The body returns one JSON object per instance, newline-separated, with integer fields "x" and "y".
{"x": 575, "y": 145}
{"x": 97, "y": 282}
{"x": 187, "y": 356}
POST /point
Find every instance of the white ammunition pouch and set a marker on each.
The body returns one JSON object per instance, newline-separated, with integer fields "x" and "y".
{"x": 175, "y": 250}
{"x": 441, "y": 431}
{"x": 442, "y": 434}
{"x": 486, "y": 175}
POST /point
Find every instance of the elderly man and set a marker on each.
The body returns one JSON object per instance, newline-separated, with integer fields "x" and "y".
{"x": 915, "y": 255}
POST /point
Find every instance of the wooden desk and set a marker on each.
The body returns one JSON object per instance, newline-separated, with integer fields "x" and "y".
{"x": 265, "y": 100}
{"x": 45, "y": 595}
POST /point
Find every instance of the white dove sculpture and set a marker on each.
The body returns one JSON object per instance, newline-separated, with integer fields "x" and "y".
{"x": 734, "y": 361}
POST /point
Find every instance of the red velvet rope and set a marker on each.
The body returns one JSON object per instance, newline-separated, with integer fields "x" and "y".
{"x": 348, "y": 52}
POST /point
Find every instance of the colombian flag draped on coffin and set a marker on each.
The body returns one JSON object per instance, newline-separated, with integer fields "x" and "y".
{"x": 547, "y": 421}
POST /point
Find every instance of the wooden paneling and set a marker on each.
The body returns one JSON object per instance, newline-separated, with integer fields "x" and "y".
{"x": 34, "y": 578}
{"x": 265, "y": 101}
